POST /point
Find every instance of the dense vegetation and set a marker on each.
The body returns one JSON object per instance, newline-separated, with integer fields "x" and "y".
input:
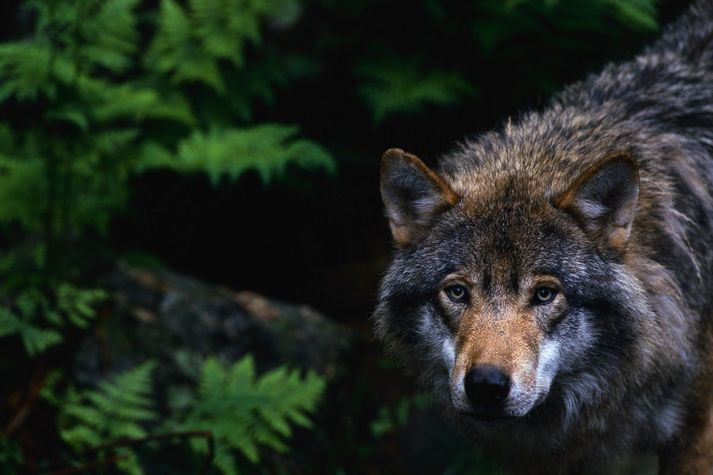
{"x": 241, "y": 120}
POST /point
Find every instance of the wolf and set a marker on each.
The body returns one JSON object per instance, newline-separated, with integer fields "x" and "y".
{"x": 552, "y": 280}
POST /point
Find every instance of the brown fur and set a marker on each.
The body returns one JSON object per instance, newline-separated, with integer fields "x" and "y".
{"x": 605, "y": 197}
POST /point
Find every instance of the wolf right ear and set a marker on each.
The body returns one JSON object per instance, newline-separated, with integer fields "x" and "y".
{"x": 603, "y": 199}
{"x": 413, "y": 195}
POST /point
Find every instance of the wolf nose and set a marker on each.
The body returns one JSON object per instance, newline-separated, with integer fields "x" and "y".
{"x": 487, "y": 387}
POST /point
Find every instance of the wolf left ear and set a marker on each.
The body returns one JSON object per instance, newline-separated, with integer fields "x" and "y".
{"x": 413, "y": 195}
{"x": 603, "y": 199}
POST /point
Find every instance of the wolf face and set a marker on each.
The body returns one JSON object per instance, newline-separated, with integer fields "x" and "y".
{"x": 502, "y": 292}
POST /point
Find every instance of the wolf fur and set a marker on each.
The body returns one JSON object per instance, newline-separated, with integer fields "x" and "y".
{"x": 605, "y": 196}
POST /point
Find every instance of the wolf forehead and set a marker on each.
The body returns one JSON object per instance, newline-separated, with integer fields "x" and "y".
{"x": 496, "y": 240}
{"x": 504, "y": 226}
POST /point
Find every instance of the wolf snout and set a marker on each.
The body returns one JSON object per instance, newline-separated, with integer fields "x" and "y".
{"x": 487, "y": 388}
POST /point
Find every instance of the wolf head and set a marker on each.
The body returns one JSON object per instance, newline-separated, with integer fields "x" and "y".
{"x": 503, "y": 286}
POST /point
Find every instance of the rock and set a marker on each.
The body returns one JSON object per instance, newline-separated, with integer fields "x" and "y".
{"x": 177, "y": 321}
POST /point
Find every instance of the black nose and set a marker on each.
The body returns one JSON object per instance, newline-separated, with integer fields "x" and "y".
{"x": 487, "y": 387}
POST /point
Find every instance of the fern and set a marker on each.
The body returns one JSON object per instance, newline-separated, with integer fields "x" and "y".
{"x": 10, "y": 456}
{"x": 70, "y": 173}
{"x": 110, "y": 38}
{"x": 25, "y": 70}
{"x": 38, "y": 321}
{"x": 267, "y": 149}
{"x": 21, "y": 180}
{"x": 397, "y": 88}
{"x": 500, "y": 20}
{"x": 77, "y": 305}
{"x": 175, "y": 50}
{"x": 189, "y": 43}
{"x": 245, "y": 412}
{"x": 34, "y": 338}
{"x": 635, "y": 14}
{"x": 115, "y": 410}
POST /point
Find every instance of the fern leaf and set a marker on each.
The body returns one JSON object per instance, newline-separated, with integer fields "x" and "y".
{"x": 80, "y": 436}
{"x": 36, "y": 340}
{"x": 397, "y": 88}
{"x": 176, "y": 51}
{"x": 21, "y": 180}
{"x": 9, "y": 323}
{"x": 636, "y": 14}
{"x": 267, "y": 148}
{"x": 25, "y": 70}
{"x": 130, "y": 465}
{"x": 242, "y": 373}
{"x": 116, "y": 409}
{"x": 111, "y": 34}
{"x": 212, "y": 378}
{"x": 224, "y": 461}
{"x": 86, "y": 415}
{"x": 244, "y": 412}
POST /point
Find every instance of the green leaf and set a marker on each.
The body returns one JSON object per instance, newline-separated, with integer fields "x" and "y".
{"x": 176, "y": 51}
{"x": 115, "y": 410}
{"x": 245, "y": 412}
{"x": 267, "y": 149}
{"x": 25, "y": 70}
{"x": 636, "y": 14}
{"x": 395, "y": 88}
{"x": 110, "y": 34}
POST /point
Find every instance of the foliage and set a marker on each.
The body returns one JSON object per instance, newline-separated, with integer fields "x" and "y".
{"x": 242, "y": 411}
{"x": 505, "y": 19}
{"x": 245, "y": 412}
{"x": 403, "y": 88}
{"x": 10, "y": 456}
{"x": 407, "y": 78}
{"x": 115, "y": 410}
{"x": 392, "y": 418}
{"x": 106, "y": 111}
{"x": 267, "y": 148}
{"x": 39, "y": 322}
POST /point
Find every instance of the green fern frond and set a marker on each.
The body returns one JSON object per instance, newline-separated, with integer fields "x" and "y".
{"x": 110, "y": 34}
{"x": 35, "y": 339}
{"x": 224, "y": 461}
{"x": 116, "y": 409}
{"x": 138, "y": 103}
{"x": 245, "y": 412}
{"x": 224, "y": 26}
{"x": 37, "y": 321}
{"x": 176, "y": 51}
{"x": 77, "y": 304}
{"x": 10, "y": 456}
{"x": 25, "y": 70}
{"x": 397, "y": 88}
{"x": 267, "y": 149}
{"x": 501, "y": 20}
{"x": 635, "y": 14}
{"x": 21, "y": 180}
{"x": 189, "y": 43}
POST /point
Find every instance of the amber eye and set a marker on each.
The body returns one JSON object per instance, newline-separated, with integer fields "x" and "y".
{"x": 544, "y": 295}
{"x": 457, "y": 293}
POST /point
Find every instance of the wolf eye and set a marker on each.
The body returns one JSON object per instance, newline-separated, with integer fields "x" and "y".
{"x": 457, "y": 293}
{"x": 544, "y": 295}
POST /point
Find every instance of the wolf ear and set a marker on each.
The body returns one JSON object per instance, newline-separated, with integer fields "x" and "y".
{"x": 413, "y": 195}
{"x": 603, "y": 199}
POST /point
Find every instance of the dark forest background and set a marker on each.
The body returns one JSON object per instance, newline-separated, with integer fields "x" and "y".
{"x": 191, "y": 233}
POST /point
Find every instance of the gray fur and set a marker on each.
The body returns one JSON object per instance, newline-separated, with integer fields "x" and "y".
{"x": 629, "y": 346}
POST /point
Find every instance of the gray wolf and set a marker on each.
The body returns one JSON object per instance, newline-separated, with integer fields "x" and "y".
{"x": 552, "y": 280}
